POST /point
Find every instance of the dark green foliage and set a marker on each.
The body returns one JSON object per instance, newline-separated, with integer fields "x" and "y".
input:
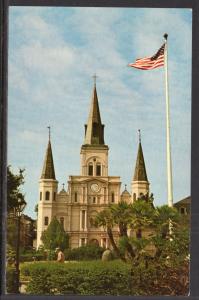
{"x": 159, "y": 226}
{"x": 55, "y": 236}
{"x": 160, "y": 279}
{"x": 32, "y": 257}
{"x": 106, "y": 278}
{"x": 87, "y": 252}
{"x": 14, "y": 183}
{"x": 11, "y": 280}
{"x": 85, "y": 278}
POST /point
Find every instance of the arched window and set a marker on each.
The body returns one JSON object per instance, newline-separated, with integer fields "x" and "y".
{"x": 94, "y": 200}
{"x": 46, "y": 221}
{"x": 134, "y": 196}
{"x": 62, "y": 221}
{"x": 98, "y": 170}
{"x": 82, "y": 242}
{"x": 92, "y": 220}
{"x": 75, "y": 196}
{"x": 83, "y": 212}
{"x": 40, "y": 195}
{"x": 90, "y": 169}
{"x": 47, "y": 195}
{"x": 112, "y": 197}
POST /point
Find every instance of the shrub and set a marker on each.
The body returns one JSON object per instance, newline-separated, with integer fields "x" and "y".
{"x": 85, "y": 278}
{"x": 105, "y": 278}
{"x": 55, "y": 236}
{"x": 27, "y": 257}
{"x": 11, "y": 280}
{"x": 87, "y": 252}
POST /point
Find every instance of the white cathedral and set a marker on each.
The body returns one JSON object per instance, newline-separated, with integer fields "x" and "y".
{"x": 88, "y": 193}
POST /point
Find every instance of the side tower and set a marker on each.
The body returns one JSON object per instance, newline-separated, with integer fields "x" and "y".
{"x": 140, "y": 183}
{"x": 47, "y": 193}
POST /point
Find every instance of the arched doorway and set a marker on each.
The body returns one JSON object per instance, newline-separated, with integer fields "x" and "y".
{"x": 94, "y": 242}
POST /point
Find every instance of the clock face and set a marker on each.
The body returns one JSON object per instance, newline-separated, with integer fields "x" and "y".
{"x": 95, "y": 187}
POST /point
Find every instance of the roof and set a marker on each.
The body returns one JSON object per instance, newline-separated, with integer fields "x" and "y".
{"x": 186, "y": 200}
{"x": 125, "y": 192}
{"x": 140, "y": 169}
{"x": 94, "y": 129}
{"x": 48, "y": 171}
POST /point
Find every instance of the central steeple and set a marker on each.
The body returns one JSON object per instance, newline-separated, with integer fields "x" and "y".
{"x": 94, "y": 152}
{"x": 94, "y": 129}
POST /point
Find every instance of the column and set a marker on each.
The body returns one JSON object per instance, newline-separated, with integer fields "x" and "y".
{"x": 104, "y": 195}
{"x": 85, "y": 222}
{"x": 80, "y": 222}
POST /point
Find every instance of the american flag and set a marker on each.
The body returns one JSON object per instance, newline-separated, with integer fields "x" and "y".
{"x": 149, "y": 63}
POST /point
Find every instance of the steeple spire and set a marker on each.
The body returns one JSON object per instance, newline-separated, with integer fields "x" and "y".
{"x": 140, "y": 169}
{"x": 48, "y": 171}
{"x": 94, "y": 129}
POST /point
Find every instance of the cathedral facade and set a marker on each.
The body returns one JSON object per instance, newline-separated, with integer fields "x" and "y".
{"x": 88, "y": 193}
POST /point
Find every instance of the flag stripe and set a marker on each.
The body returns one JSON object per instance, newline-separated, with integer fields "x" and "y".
{"x": 149, "y": 63}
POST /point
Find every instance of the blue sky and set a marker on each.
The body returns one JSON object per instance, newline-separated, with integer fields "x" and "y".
{"x": 53, "y": 53}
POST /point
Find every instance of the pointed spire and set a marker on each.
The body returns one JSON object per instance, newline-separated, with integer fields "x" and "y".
{"x": 94, "y": 129}
{"x": 48, "y": 171}
{"x": 140, "y": 169}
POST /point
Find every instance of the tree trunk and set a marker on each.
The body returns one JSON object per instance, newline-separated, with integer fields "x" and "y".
{"x": 123, "y": 232}
{"x": 110, "y": 235}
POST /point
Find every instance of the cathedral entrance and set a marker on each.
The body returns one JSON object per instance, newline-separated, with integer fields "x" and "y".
{"x": 94, "y": 242}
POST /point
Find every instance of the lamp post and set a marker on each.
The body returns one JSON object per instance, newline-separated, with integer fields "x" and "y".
{"x": 21, "y": 203}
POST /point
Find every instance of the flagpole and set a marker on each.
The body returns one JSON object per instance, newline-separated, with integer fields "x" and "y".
{"x": 169, "y": 162}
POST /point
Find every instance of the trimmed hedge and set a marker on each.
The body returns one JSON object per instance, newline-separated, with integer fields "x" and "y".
{"x": 83, "y": 278}
{"x": 105, "y": 278}
{"x": 27, "y": 257}
{"x": 87, "y": 252}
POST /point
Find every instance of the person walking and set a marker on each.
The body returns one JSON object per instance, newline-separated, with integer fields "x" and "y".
{"x": 60, "y": 256}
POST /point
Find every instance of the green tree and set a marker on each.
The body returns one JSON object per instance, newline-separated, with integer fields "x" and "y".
{"x": 171, "y": 234}
{"x": 105, "y": 219}
{"x": 122, "y": 216}
{"x": 14, "y": 193}
{"x": 55, "y": 236}
{"x": 165, "y": 233}
{"x": 14, "y": 183}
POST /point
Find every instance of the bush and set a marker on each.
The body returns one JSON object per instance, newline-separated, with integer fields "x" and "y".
{"x": 84, "y": 278}
{"x": 87, "y": 252}
{"x": 105, "y": 278}
{"x": 11, "y": 280}
{"x": 159, "y": 279}
{"x": 27, "y": 257}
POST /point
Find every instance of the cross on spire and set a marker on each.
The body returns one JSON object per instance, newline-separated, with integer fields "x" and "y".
{"x": 139, "y": 135}
{"x": 49, "y": 132}
{"x": 63, "y": 185}
{"x": 95, "y": 78}
{"x": 125, "y": 187}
